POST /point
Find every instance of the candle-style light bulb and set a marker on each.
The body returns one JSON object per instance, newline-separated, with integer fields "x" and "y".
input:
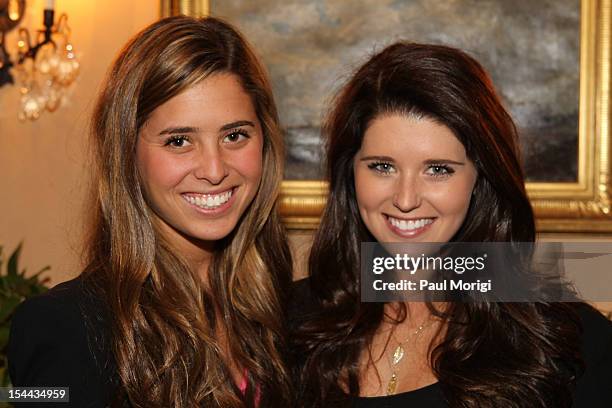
{"x": 50, "y": 5}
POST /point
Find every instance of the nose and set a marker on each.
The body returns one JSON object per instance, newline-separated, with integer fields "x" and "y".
{"x": 211, "y": 166}
{"x": 408, "y": 192}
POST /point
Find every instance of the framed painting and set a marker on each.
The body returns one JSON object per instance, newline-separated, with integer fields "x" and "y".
{"x": 550, "y": 61}
{"x": 195, "y": 8}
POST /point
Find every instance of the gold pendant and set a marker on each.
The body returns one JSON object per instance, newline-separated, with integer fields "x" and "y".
{"x": 392, "y": 384}
{"x": 398, "y": 354}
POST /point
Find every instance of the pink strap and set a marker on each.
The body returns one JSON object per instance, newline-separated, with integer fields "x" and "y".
{"x": 243, "y": 386}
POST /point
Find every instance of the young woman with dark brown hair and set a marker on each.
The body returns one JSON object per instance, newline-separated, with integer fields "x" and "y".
{"x": 181, "y": 302}
{"x": 420, "y": 149}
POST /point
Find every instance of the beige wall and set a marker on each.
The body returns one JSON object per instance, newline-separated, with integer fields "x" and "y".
{"x": 42, "y": 165}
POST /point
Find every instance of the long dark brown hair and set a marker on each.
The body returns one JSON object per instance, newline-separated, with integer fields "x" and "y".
{"x": 162, "y": 317}
{"x": 493, "y": 354}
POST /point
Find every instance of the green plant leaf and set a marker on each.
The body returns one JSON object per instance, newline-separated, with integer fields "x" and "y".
{"x": 2, "y": 372}
{"x": 11, "y": 267}
{"x": 36, "y": 276}
{"x": 5, "y": 381}
{"x": 14, "y": 288}
{"x": 4, "y": 336}
{"x": 8, "y": 307}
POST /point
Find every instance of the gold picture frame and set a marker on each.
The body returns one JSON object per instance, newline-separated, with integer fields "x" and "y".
{"x": 581, "y": 206}
{"x": 584, "y": 206}
{"x": 195, "y": 8}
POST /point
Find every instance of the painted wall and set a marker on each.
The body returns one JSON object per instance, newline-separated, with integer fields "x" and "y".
{"x": 43, "y": 168}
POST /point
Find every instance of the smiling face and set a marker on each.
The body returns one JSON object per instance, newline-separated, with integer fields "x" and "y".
{"x": 413, "y": 180}
{"x": 199, "y": 158}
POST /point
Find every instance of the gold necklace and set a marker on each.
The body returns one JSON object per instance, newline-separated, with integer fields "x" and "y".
{"x": 398, "y": 355}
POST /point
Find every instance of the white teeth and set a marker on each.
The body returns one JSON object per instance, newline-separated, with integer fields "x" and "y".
{"x": 411, "y": 224}
{"x": 208, "y": 201}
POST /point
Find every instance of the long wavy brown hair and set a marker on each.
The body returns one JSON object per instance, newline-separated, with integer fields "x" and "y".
{"x": 162, "y": 317}
{"x": 492, "y": 354}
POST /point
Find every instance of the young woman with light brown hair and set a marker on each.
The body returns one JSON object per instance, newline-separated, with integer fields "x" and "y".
{"x": 181, "y": 302}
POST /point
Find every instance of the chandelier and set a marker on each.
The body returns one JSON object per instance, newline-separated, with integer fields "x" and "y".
{"x": 42, "y": 70}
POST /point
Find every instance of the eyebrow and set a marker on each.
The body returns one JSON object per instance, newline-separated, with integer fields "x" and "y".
{"x": 379, "y": 158}
{"x": 191, "y": 129}
{"x": 179, "y": 129}
{"x": 237, "y": 124}
{"x": 429, "y": 161}
{"x": 445, "y": 161}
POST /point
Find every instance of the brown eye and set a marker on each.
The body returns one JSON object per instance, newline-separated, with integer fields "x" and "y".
{"x": 236, "y": 136}
{"x": 177, "y": 141}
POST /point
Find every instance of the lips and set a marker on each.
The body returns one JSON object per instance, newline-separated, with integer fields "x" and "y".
{"x": 409, "y": 228}
{"x": 209, "y": 201}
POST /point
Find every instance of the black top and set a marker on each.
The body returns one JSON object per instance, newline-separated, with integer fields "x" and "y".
{"x": 50, "y": 345}
{"x": 594, "y": 388}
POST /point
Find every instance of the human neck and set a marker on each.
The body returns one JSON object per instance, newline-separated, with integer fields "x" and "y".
{"x": 416, "y": 332}
{"x": 196, "y": 253}
{"x": 416, "y": 312}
